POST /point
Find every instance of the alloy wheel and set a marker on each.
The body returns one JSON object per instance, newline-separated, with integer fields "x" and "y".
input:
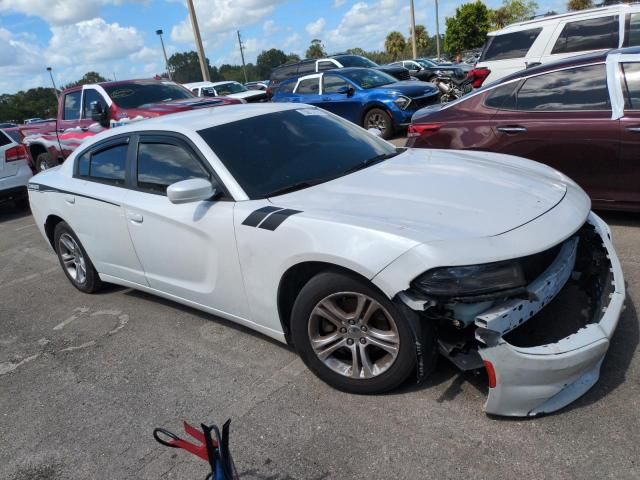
{"x": 353, "y": 335}
{"x": 376, "y": 120}
{"x": 72, "y": 258}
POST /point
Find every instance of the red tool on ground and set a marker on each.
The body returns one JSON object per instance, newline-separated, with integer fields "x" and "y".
{"x": 214, "y": 451}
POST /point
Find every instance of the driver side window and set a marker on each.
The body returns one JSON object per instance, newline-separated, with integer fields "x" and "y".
{"x": 162, "y": 164}
{"x": 90, "y": 96}
{"x": 332, "y": 83}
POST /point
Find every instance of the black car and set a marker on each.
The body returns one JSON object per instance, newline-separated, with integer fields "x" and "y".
{"x": 427, "y": 70}
{"x": 305, "y": 67}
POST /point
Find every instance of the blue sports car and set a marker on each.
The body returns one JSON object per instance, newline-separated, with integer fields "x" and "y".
{"x": 367, "y": 97}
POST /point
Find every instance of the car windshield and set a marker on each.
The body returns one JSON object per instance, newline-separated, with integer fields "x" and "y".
{"x": 368, "y": 78}
{"x": 229, "y": 88}
{"x": 292, "y": 149}
{"x": 356, "y": 61}
{"x": 135, "y": 95}
{"x": 426, "y": 63}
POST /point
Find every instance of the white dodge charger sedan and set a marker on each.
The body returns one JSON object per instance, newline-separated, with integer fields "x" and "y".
{"x": 371, "y": 260}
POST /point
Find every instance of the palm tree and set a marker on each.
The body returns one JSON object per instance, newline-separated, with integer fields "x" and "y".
{"x": 579, "y": 4}
{"x": 395, "y": 44}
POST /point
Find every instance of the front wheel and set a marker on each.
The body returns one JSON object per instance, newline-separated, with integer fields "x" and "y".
{"x": 351, "y": 336}
{"x": 380, "y": 119}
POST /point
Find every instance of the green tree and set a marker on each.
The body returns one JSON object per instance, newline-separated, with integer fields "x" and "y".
{"x": 512, "y": 11}
{"x": 468, "y": 28}
{"x": 573, "y": 5}
{"x": 316, "y": 49}
{"x": 87, "y": 78}
{"x": 292, "y": 58}
{"x": 356, "y": 51}
{"x": 422, "y": 42}
{"x": 185, "y": 67}
{"x": 35, "y": 102}
{"x": 395, "y": 45}
{"x": 268, "y": 60}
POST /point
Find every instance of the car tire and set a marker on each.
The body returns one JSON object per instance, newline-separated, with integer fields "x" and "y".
{"x": 326, "y": 318}
{"x": 75, "y": 262}
{"x": 380, "y": 119}
{"x": 44, "y": 162}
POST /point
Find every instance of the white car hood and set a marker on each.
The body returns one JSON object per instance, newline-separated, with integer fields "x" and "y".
{"x": 429, "y": 195}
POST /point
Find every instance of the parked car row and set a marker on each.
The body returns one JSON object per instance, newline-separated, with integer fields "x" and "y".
{"x": 227, "y": 89}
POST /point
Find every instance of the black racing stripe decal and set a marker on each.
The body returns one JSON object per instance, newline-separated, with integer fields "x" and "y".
{"x": 275, "y": 219}
{"x": 254, "y": 219}
{"x": 38, "y": 187}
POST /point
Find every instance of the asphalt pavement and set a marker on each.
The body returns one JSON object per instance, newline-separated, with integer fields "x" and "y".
{"x": 84, "y": 379}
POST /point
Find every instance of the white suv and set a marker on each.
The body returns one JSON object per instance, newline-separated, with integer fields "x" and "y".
{"x": 542, "y": 40}
{"x": 14, "y": 170}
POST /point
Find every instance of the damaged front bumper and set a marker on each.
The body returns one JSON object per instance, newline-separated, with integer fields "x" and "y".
{"x": 544, "y": 349}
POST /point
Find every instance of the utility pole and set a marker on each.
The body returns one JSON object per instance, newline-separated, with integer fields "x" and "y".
{"x": 164, "y": 52}
{"x": 244, "y": 70}
{"x": 198, "y": 40}
{"x": 413, "y": 31}
{"x": 437, "y": 31}
{"x": 55, "y": 90}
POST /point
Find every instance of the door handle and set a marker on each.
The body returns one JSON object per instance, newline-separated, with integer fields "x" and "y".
{"x": 633, "y": 129}
{"x": 70, "y": 199}
{"x": 135, "y": 217}
{"x": 512, "y": 129}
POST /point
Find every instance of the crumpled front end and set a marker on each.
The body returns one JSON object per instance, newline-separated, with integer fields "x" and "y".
{"x": 542, "y": 347}
{"x": 544, "y": 352}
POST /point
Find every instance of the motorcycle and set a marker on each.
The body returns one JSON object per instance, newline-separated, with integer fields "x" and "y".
{"x": 453, "y": 87}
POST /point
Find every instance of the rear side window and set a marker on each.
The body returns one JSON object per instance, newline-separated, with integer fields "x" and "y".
{"x": 162, "y": 164}
{"x": 631, "y": 85}
{"x": 325, "y": 66}
{"x": 510, "y": 45}
{"x": 4, "y": 139}
{"x": 591, "y": 34}
{"x": 310, "y": 85}
{"x": 72, "y": 105}
{"x": 582, "y": 88}
{"x": 306, "y": 68}
{"x": 502, "y": 96}
{"x": 286, "y": 87}
{"x": 284, "y": 72}
{"x": 633, "y": 35}
{"x": 106, "y": 165}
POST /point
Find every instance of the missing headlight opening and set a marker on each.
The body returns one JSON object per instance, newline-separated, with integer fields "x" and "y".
{"x": 568, "y": 288}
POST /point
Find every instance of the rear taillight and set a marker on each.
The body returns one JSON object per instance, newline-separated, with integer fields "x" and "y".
{"x": 491, "y": 373}
{"x": 15, "y": 153}
{"x": 479, "y": 75}
{"x": 422, "y": 129}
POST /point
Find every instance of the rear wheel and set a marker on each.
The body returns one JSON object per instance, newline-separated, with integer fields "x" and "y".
{"x": 44, "y": 162}
{"x": 75, "y": 262}
{"x": 380, "y": 119}
{"x": 351, "y": 336}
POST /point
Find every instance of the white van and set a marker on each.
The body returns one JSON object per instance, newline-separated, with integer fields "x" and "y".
{"x": 545, "y": 39}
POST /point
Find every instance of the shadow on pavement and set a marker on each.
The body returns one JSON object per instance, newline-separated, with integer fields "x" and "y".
{"x": 10, "y": 211}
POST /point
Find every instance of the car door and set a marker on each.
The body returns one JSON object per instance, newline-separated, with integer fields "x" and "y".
{"x": 187, "y": 250}
{"x": 334, "y": 98}
{"x": 94, "y": 209}
{"x": 563, "y": 119}
{"x": 308, "y": 90}
{"x": 629, "y": 176}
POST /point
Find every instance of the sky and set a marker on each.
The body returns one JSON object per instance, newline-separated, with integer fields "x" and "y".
{"x": 117, "y": 37}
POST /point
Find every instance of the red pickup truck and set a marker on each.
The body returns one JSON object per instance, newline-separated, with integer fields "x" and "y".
{"x": 86, "y": 110}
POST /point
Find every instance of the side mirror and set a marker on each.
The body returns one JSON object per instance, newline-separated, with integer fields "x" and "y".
{"x": 192, "y": 190}
{"x": 348, "y": 91}
{"x": 375, "y": 132}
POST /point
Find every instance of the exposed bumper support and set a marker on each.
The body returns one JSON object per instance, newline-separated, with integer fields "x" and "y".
{"x": 545, "y": 378}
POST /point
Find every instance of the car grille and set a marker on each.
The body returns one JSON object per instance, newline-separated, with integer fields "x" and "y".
{"x": 420, "y": 102}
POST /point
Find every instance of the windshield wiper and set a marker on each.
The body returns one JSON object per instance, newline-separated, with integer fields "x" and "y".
{"x": 372, "y": 161}
{"x": 292, "y": 188}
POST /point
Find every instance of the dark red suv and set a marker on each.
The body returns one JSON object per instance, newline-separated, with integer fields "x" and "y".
{"x": 580, "y": 115}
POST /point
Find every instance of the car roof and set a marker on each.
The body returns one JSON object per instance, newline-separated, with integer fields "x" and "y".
{"x": 194, "y": 120}
{"x": 536, "y": 21}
